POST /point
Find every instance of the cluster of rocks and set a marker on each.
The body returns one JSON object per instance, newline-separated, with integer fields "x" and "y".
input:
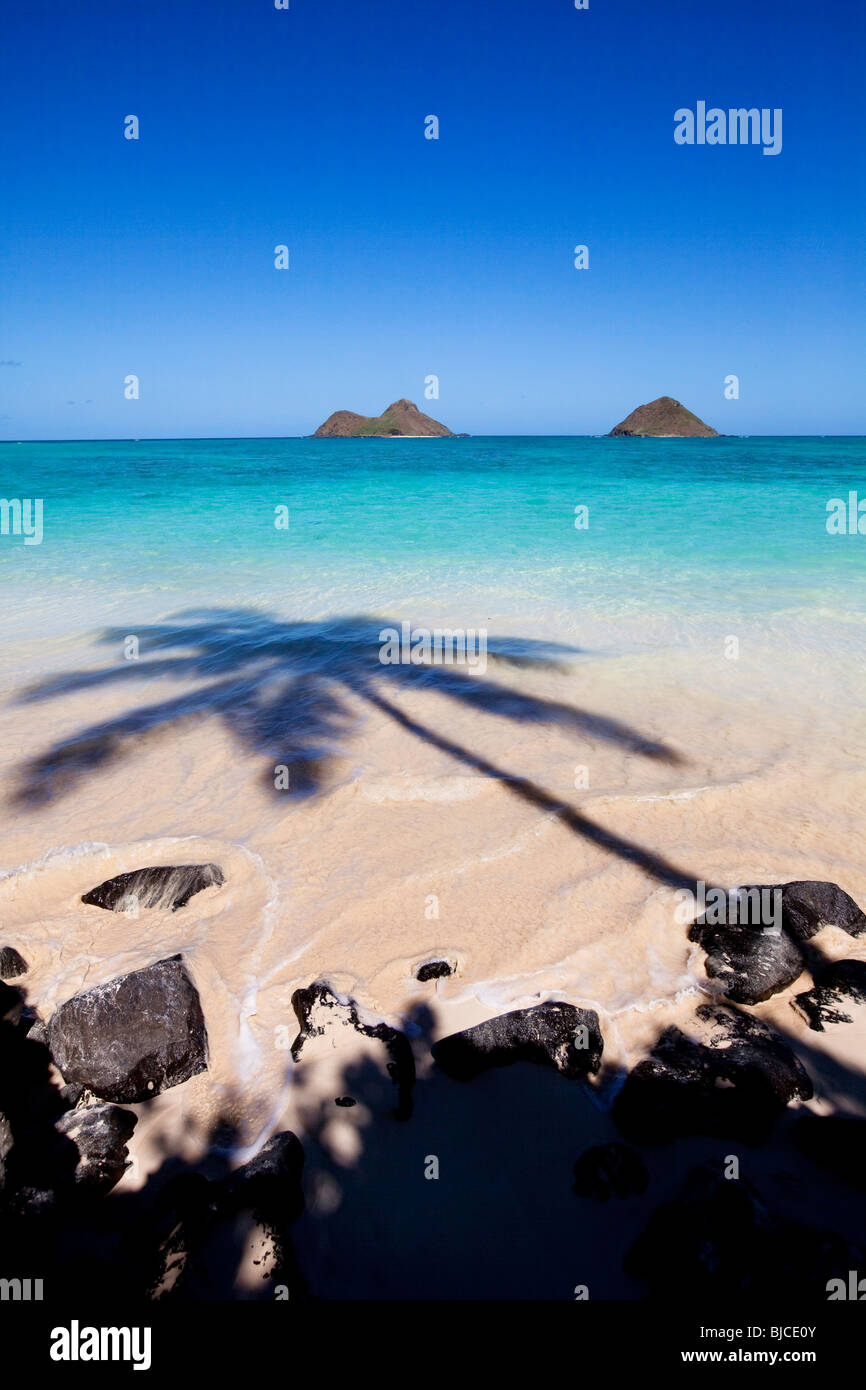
{"x": 717, "y": 1236}
{"x": 118, "y": 1043}
{"x": 125, "y": 1041}
{"x": 731, "y": 1077}
{"x": 755, "y": 960}
{"x": 737, "y": 1080}
{"x": 114, "y": 1044}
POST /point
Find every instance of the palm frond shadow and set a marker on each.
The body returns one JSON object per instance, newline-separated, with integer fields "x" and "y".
{"x": 282, "y": 690}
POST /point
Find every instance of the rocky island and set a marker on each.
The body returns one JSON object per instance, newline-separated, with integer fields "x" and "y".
{"x": 664, "y": 418}
{"x": 400, "y": 419}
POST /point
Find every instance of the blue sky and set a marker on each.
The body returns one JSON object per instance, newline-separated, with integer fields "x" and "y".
{"x": 411, "y": 256}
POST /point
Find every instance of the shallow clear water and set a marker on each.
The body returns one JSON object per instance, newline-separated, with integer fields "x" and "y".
{"x": 679, "y": 531}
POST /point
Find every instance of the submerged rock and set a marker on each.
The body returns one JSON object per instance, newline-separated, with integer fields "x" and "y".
{"x": 100, "y": 1134}
{"x": 434, "y": 970}
{"x": 318, "y": 1008}
{"x": 718, "y": 1238}
{"x": 834, "y": 984}
{"x": 133, "y": 1037}
{"x": 554, "y": 1034}
{"x": 161, "y": 886}
{"x": 11, "y": 963}
{"x": 736, "y": 1082}
{"x": 610, "y": 1170}
{"x": 752, "y": 963}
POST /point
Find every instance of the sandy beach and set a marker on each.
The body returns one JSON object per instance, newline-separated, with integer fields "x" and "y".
{"x": 439, "y": 831}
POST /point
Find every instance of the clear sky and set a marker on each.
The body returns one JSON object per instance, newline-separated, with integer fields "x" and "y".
{"x": 410, "y": 256}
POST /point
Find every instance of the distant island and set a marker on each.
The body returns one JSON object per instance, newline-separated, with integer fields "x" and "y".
{"x": 401, "y": 419}
{"x": 664, "y": 419}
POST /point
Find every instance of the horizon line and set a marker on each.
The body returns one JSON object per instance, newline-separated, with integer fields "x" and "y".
{"x": 237, "y": 438}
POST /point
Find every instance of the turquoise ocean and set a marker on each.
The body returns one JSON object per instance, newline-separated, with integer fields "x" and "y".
{"x": 682, "y": 536}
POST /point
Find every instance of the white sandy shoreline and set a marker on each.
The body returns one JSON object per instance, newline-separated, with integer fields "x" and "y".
{"x": 408, "y": 853}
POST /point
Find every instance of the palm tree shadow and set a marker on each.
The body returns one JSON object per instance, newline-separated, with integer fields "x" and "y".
{"x": 283, "y": 691}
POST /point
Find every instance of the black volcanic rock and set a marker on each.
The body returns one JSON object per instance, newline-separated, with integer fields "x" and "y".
{"x": 11, "y": 1004}
{"x": 133, "y": 1037}
{"x": 318, "y": 1008}
{"x": 100, "y": 1134}
{"x": 736, "y": 1082}
{"x": 809, "y": 905}
{"x": 664, "y": 418}
{"x": 160, "y": 886}
{"x": 610, "y": 1170}
{"x": 718, "y": 1239}
{"x": 11, "y": 963}
{"x": 752, "y": 963}
{"x": 195, "y": 1221}
{"x": 270, "y": 1184}
{"x": 434, "y": 970}
{"x": 554, "y": 1034}
{"x": 32, "y": 1153}
{"x": 834, "y": 984}
{"x": 73, "y": 1094}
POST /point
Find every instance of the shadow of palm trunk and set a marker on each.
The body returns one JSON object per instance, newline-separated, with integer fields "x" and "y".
{"x": 535, "y": 795}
